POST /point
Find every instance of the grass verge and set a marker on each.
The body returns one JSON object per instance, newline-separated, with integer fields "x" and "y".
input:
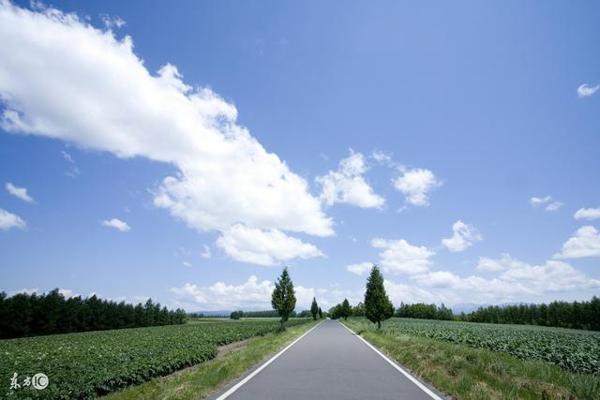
{"x": 468, "y": 373}
{"x": 200, "y": 381}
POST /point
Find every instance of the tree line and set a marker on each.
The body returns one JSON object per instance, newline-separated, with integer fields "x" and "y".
{"x": 575, "y": 315}
{"x": 50, "y": 313}
{"x": 562, "y": 314}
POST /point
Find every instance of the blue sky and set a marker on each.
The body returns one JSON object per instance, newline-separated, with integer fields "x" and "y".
{"x": 481, "y": 117}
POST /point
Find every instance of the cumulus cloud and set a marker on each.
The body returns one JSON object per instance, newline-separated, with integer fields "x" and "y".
{"x": 9, "y": 220}
{"x": 499, "y": 264}
{"x": 587, "y": 213}
{"x": 116, "y": 224}
{"x": 585, "y": 242}
{"x": 360, "y": 268}
{"x": 253, "y": 294}
{"x": 416, "y": 184}
{"x": 585, "y": 90}
{"x": 263, "y": 247}
{"x": 96, "y": 93}
{"x": 348, "y": 185}
{"x": 516, "y": 281}
{"x": 18, "y": 192}
{"x": 401, "y": 257}
{"x": 463, "y": 236}
{"x": 545, "y": 202}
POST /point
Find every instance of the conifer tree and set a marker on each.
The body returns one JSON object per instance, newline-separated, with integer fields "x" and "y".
{"x": 378, "y": 306}
{"x": 283, "y": 298}
{"x": 314, "y": 308}
{"x": 346, "y": 309}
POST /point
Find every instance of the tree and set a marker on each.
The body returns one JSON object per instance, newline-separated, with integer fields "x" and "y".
{"x": 283, "y": 298}
{"x": 320, "y": 313}
{"x": 236, "y": 314}
{"x": 346, "y": 309}
{"x": 378, "y": 306}
{"x": 314, "y": 308}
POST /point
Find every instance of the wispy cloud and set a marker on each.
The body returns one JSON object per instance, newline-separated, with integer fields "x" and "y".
{"x": 546, "y": 202}
{"x": 587, "y": 213}
{"x": 586, "y": 90}
{"x": 117, "y": 224}
{"x": 73, "y": 170}
{"x": 9, "y": 220}
{"x": 19, "y": 192}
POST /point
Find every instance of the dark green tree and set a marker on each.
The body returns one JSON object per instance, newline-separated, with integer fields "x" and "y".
{"x": 346, "y": 309}
{"x": 320, "y": 313}
{"x": 314, "y": 308}
{"x": 378, "y": 306}
{"x": 283, "y": 298}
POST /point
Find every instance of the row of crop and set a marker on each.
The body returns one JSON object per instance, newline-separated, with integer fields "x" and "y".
{"x": 85, "y": 365}
{"x": 571, "y": 350}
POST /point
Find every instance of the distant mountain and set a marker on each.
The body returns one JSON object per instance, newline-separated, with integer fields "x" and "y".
{"x": 466, "y": 307}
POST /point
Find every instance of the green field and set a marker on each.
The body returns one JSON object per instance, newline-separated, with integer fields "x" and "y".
{"x": 83, "y": 365}
{"x": 481, "y": 361}
{"x": 573, "y": 350}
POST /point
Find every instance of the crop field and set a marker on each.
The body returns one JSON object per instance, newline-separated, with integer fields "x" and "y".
{"x": 84, "y": 365}
{"x": 573, "y": 350}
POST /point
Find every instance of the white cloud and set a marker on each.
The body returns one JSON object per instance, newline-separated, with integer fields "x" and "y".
{"x": 416, "y": 184}
{"x": 537, "y": 201}
{"x": 499, "y": 264}
{"x": 18, "y": 192}
{"x": 360, "y": 268}
{"x": 206, "y": 253}
{"x": 73, "y": 170}
{"x": 348, "y": 185}
{"x": 587, "y": 213}
{"x": 112, "y": 22}
{"x": 187, "y": 264}
{"x": 264, "y": 247}
{"x": 463, "y": 236}
{"x": 94, "y": 92}
{"x": 400, "y": 257}
{"x": 116, "y": 224}
{"x": 9, "y": 220}
{"x": 584, "y": 243}
{"x": 24, "y": 291}
{"x": 67, "y": 293}
{"x": 400, "y": 292}
{"x": 517, "y": 281}
{"x": 438, "y": 279}
{"x": 547, "y": 202}
{"x": 586, "y": 90}
{"x": 253, "y": 294}
{"x": 383, "y": 158}
{"x": 554, "y": 206}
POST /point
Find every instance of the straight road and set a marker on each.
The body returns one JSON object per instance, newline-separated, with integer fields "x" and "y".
{"x": 330, "y": 363}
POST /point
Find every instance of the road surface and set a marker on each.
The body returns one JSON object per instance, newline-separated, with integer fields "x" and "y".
{"x": 330, "y": 363}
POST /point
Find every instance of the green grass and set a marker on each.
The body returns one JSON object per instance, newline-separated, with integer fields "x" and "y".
{"x": 200, "y": 381}
{"x": 475, "y": 373}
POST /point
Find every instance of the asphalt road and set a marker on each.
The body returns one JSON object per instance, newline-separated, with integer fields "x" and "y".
{"x": 329, "y": 363}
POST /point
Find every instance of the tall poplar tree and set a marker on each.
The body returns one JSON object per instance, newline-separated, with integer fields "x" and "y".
{"x": 314, "y": 308}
